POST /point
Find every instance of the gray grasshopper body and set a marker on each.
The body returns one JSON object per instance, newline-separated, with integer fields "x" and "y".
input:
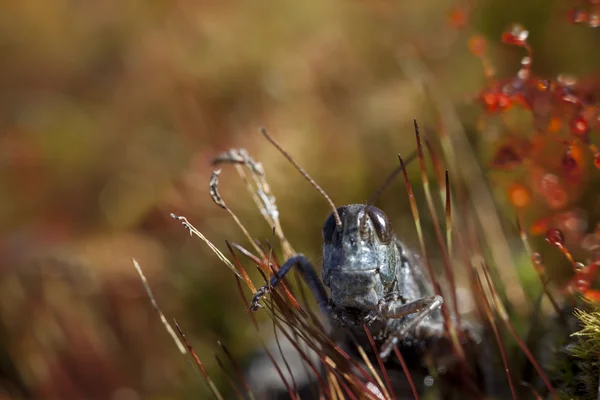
{"x": 374, "y": 280}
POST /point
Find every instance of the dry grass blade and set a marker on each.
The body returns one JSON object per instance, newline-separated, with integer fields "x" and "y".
{"x": 209, "y": 381}
{"x": 322, "y": 382}
{"x": 164, "y": 321}
{"x": 371, "y": 379}
{"x": 374, "y": 373}
{"x": 238, "y": 371}
{"x": 277, "y": 341}
{"x": 340, "y": 382}
{"x": 232, "y": 383}
{"x": 448, "y": 219}
{"x": 242, "y": 270}
{"x": 489, "y": 314}
{"x": 456, "y": 141}
{"x": 218, "y": 200}
{"x": 436, "y": 224}
{"x": 265, "y": 201}
{"x": 280, "y": 284}
{"x": 260, "y": 192}
{"x": 270, "y": 268}
{"x": 415, "y": 211}
{"x": 516, "y": 336}
{"x": 366, "y": 390}
{"x": 291, "y": 392}
{"x": 194, "y": 231}
{"x": 321, "y": 344}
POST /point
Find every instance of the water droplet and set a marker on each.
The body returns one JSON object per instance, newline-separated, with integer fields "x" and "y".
{"x": 537, "y": 258}
{"x": 428, "y": 381}
{"x": 579, "y": 126}
{"x": 516, "y": 35}
{"x": 594, "y": 21}
{"x": 555, "y": 237}
{"x": 523, "y": 74}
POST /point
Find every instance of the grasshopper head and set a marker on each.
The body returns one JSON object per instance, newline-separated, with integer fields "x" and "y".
{"x": 360, "y": 257}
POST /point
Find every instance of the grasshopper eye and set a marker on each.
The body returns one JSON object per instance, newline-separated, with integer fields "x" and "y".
{"x": 382, "y": 225}
{"x": 329, "y": 227}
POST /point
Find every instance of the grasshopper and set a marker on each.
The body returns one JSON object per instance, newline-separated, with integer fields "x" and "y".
{"x": 373, "y": 280}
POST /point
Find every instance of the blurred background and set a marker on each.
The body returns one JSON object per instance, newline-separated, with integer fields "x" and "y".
{"x": 111, "y": 113}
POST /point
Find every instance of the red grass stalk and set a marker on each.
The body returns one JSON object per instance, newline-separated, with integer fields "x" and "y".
{"x": 489, "y": 314}
{"x": 511, "y": 329}
{"x": 386, "y": 377}
{"x": 237, "y": 370}
{"x": 232, "y": 383}
{"x": 258, "y": 262}
{"x": 316, "y": 336}
{"x": 264, "y": 346}
{"x": 302, "y": 354}
{"x": 449, "y": 225}
{"x": 240, "y": 268}
{"x": 346, "y": 357}
{"x": 297, "y": 284}
{"x": 539, "y": 269}
{"x": 415, "y": 211}
{"x": 283, "y": 357}
{"x": 436, "y": 224}
{"x": 209, "y": 381}
{"x": 406, "y": 372}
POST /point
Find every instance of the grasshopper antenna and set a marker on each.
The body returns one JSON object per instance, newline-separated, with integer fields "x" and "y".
{"x": 388, "y": 181}
{"x": 338, "y": 221}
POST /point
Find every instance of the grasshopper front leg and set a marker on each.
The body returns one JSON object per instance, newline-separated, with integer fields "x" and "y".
{"x": 309, "y": 275}
{"x": 394, "y": 309}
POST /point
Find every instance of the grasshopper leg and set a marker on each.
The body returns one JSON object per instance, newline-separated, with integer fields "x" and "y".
{"x": 306, "y": 269}
{"x": 395, "y": 309}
